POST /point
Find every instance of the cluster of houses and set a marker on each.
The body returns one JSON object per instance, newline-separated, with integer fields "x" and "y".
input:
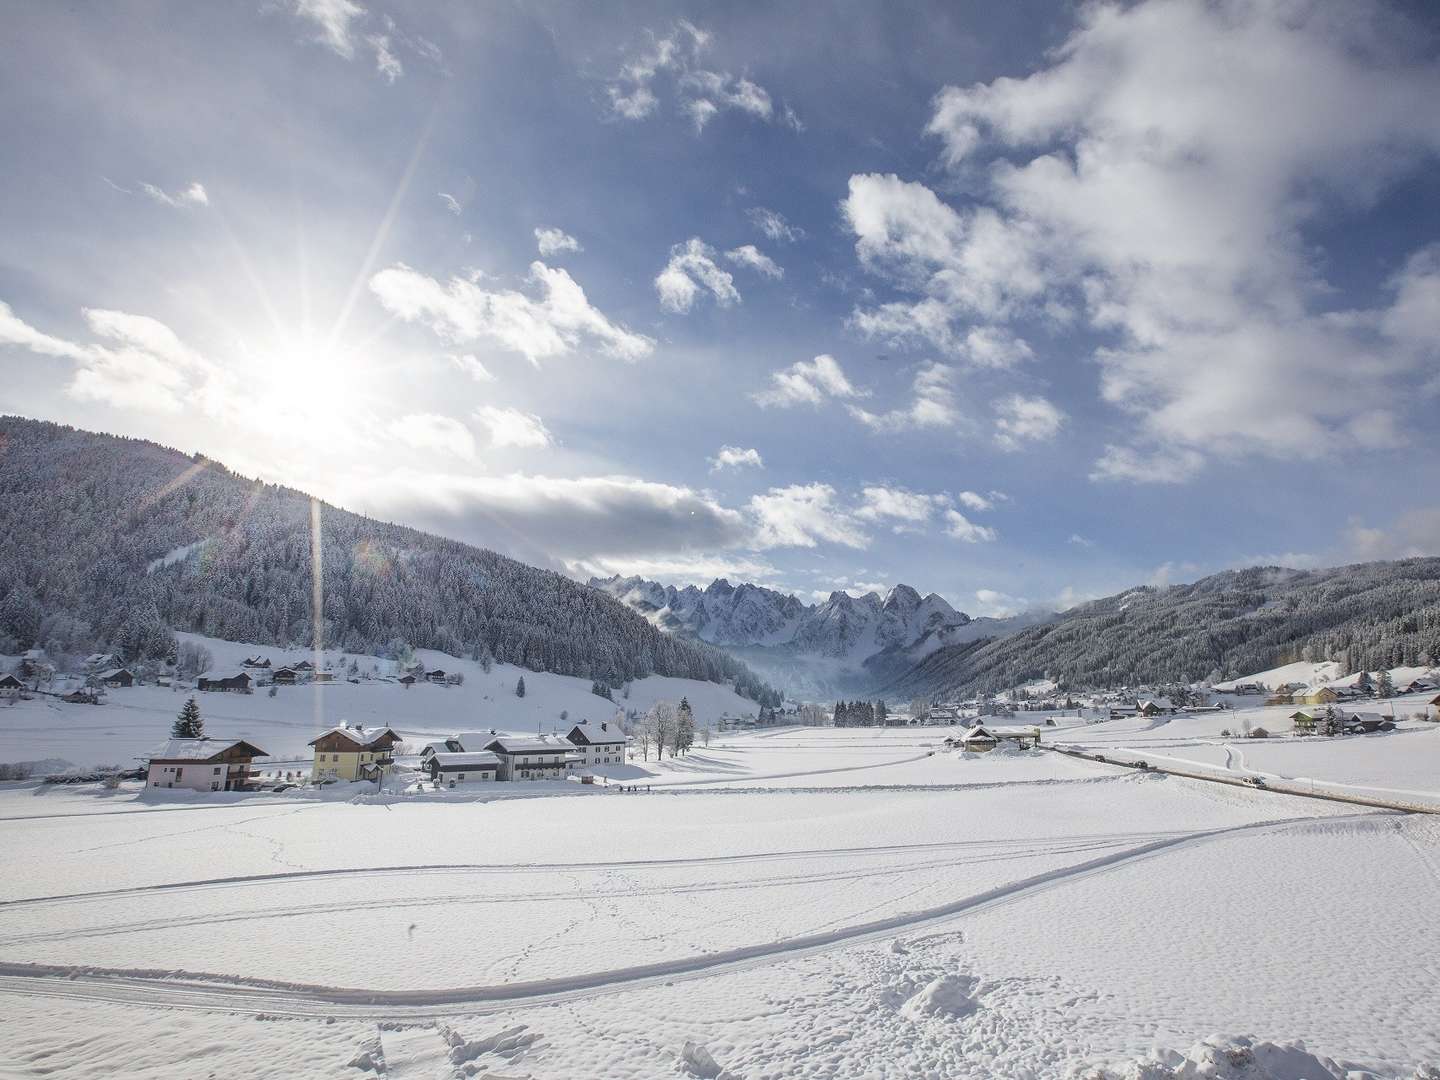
{"x": 479, "y": 758}
{"x": 351, "y": 752}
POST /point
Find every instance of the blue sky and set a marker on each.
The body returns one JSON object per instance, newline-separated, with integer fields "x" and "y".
{"x": 1019, "y": 303}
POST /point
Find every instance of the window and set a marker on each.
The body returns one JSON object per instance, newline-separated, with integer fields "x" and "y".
{"x": 461, "y": 776}
{"x": 178, "y": 771}
{"x": 334, "y": 757}
{"x": 215, "y": 771}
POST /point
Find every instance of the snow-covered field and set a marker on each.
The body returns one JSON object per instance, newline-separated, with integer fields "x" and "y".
{"x": 790, "y": 903}
{"x": 1403, "y": 764}
{"x": 133, "y": 721}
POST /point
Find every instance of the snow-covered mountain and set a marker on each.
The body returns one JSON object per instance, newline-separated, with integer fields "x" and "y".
{"x": 845, "y": 644}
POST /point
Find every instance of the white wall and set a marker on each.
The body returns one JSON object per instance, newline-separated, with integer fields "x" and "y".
{"x": 194, "y": 775}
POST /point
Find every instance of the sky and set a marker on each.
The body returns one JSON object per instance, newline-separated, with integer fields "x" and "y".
{"x": 1020, "y": 303}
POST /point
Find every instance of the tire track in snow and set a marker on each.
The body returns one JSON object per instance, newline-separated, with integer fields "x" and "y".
{"x": 520, "y": 868}
{"x": 846, "y": 876}
{"x": 240, "y": 994}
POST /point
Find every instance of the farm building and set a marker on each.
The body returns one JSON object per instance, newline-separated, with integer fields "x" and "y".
{"x": 229, "y": 684}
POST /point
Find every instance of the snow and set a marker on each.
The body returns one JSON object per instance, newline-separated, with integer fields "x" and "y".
{"x": 134, "y": 719}
{"x": 785, "y": 903}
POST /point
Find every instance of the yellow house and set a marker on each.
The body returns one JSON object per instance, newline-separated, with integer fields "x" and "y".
{"x": 1320, "y": 695}
{"x": 352, "y": 753}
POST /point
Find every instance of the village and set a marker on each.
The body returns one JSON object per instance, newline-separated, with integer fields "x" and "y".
{"x": 613, "y": 746}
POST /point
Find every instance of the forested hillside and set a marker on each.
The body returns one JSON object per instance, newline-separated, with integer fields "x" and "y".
{"x": 1366, "y": 616}
{"x": 111, "y": 542}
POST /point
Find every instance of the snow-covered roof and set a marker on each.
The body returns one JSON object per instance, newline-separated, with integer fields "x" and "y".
{"x": 449, "y": 762}
{"x": 198, "y": 749}
{"x": 114, "y": 672}
{"x": 512, "y": 745}
{"x": 598, "y": 734}
{"x": 359, "y": 738}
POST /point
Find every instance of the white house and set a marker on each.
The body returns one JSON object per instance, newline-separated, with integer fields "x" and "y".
{"x": 202, "y": 764}
{"x": 597, "y": 744}
{"x": 533, "y": 759}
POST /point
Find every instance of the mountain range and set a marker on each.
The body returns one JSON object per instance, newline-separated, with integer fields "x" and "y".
{"x": 843, "y": 645}
{"x": 1365, "y": 617}
{"x": 113, "y": 543}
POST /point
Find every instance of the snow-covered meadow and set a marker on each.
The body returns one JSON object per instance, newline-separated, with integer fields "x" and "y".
{"x": 134, "y": 720}
{"x": 788, "y": 903}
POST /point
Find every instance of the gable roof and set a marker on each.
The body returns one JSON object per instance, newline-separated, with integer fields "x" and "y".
{"x": 596, "y": 734}
{"x": 448, "y": 762}
{"x": 360, "y": 739}
{"x": 200, "y": 749}
{"x": 509, "y": 744}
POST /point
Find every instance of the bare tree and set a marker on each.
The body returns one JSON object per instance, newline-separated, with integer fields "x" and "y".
{"x": 660, "y": 725}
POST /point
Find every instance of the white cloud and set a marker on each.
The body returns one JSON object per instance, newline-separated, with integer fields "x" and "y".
{"x": 803, "y": 515}
{"x": 555, "y": 241}
{"x": 1415, "y": 532}
{"x": 339, "y": 25}
{"x": 680, "y": 570}
{"x": 386, "y": 62}
{"x": 451, "y": 203}
{"x": 692, "y": 270}
{"x": 194, "y": 195}
{"x": 905, "y": 510}
{"x": 806, "y": 382}
{"x": 334, "y": 22}
{"x": 774, "y": 225}
{"x": 973, "y": 500}
{"x": 141, "y": 365}
{"x": 751, "y": 256}
{"x": 1178, "y": 211}
{"x": 1153, "y": 466}
{"x": 472, "y": 367}
{"x": 548, "y": 518}
{"x": 1080, "y": 541}
{"x": 429, "y": 431}
{"x": 1070, "y": 597}
{"x": 961, "y": 267}
{"x": 461, "y": 311}
{"x": 671, "y": 62}
{"x": 962, "y": 528}
{"x": 511, "y": 427}
{"x": 993, "y": 604}
{"x": 1020, "y": 419}
{"x": 734, "y": 457}
{"x": 933, "y": 404}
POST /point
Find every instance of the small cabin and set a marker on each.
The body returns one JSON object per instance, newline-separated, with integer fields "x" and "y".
{"x": 285, "y": 676}
{"x": 115, "y": 677}
{"x": 11, "y": 683}
{"x": 436, "y": 676}
{"x": 1320, "y": 695}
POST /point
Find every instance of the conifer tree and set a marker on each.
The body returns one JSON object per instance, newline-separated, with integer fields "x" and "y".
{"x": 189, "y": 724}
{"x": 520, "y": 687}
{"x": 1384, "y": 685}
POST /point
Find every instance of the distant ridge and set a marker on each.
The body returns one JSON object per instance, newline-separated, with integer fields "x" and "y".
{"x": 108, "y": 542}
{"x": 1365, "y": 617}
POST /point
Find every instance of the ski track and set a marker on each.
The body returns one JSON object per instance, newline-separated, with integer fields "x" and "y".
{"x": 240, "y": 994}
